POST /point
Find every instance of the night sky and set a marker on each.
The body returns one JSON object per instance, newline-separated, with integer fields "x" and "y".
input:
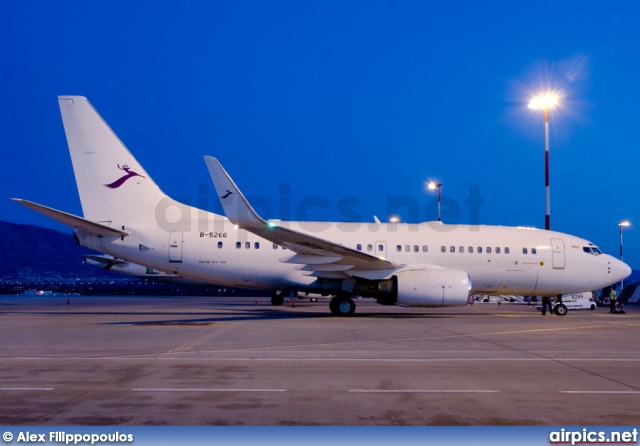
{"x": 310, "y": 104}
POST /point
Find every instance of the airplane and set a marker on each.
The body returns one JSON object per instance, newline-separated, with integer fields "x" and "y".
{"x": 430, "y": 264}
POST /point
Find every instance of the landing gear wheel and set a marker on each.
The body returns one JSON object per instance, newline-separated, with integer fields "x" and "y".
{"x": 560, "y": 310}
{"x": 277, "y": 300}
{"x": 342, "y": 306}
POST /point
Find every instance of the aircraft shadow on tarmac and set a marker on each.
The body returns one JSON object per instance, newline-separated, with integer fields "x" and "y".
{"x": 262, "y": 315}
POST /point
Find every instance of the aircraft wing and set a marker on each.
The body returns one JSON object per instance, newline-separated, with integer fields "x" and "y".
{"x": 73, "y": 221}
{"x": 321, "y": 257}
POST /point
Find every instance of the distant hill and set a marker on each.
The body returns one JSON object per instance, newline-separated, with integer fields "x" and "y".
{"x": 33, "y": 257}
{"x": 37, "y": 247}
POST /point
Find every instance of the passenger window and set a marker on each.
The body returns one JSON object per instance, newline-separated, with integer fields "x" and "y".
{"x": 275, "y": 246}
{"x": 533, "y": 251}
{"x": 461, "y": 249}
{"x": 489, "y": 250}
{"x": 425, "y": 248}
{"x": 399, "y": 248}
{"x": 471, "y": 249}
{"x": 416, "y": 248}
{"x": 359, "y": 247}
{"x": 443, "y": 249}
{"x": 498, "y": 250}
{"x": 407, "y": 248}
{"x": 256, "y": 245}
{"x": 452, "y": 249}
{"x": 369, "y": 248}
{"x": 506, "y": 250}
{"x": 380, "y": 248}
{"x": 247, "y": 245}
{"x": 219, "y": 244}
{"x": 238, "y": 245}
{"x": 524, "y": 251}
{"x": 479, "y": 249}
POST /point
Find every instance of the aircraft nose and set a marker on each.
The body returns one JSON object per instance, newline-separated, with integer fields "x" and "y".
{"x": 620, "y": 270}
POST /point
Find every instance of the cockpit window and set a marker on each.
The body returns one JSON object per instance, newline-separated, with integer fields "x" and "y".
{"x": 593, "y": 251}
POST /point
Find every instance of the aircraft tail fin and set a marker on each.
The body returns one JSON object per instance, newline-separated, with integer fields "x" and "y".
{"x": 112, "y": 185}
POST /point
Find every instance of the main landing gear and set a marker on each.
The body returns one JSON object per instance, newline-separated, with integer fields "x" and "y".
{"x": 342, "y": 305}
{"x": 277, "y": 299}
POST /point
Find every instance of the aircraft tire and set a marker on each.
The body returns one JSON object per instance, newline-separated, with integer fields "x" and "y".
{"x": 277, "y": 300}
{"x": 342, "y": 306}
{"x": 560, "y": 310}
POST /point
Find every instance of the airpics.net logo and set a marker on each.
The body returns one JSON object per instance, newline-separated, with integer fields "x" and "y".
{"x": 312, "y": 212}
{"x": 586, "y": 436}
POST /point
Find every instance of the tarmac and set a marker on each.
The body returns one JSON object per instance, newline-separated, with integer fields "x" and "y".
{"x": 231, "y": 361}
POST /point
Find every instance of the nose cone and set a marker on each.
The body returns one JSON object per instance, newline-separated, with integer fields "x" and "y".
{"x": 619, "y": 270}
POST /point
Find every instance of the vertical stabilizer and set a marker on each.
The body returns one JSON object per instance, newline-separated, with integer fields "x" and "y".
{"x": 113, "y": 186}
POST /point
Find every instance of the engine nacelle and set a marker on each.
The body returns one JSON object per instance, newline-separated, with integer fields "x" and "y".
{"x": 426, "y": 287}
{"x": 433, "y": 287}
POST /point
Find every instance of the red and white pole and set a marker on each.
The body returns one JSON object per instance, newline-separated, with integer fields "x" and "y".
{"x": 439, "y": 186}
{"x": 547, "y": 193}
{"x": 622, "y": 281}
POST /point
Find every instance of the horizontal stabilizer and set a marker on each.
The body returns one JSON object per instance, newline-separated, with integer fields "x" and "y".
{"x": 73, "y": 221}
{"x": 105, "y": 260}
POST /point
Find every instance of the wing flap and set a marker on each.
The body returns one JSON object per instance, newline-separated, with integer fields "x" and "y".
{"x": 328, "y": 275}
{"x": 326, "y": 267}
{"x": 310, "y": 259}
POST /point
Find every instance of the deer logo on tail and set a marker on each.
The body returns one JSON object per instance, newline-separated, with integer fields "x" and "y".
{"x": 120, "y": 181}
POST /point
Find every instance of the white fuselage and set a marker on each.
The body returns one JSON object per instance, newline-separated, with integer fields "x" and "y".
{"x": 499, "y": 260}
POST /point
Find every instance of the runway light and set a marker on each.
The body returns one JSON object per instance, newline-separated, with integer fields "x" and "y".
{"x": 394, "y": 219}
{"x": 544, "y": 101}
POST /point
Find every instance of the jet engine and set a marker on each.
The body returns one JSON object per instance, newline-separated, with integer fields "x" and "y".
{"x": 429, "y": 287}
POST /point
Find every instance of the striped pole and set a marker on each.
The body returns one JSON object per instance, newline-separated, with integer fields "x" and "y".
{"x": 621, "y": 224}
{"x": 547, "y": 193}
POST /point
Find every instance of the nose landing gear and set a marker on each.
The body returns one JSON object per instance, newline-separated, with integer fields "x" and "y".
{"x": 560, "y": 309}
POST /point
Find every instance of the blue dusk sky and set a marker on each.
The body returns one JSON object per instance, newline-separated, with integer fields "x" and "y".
{"x": 313, "y": 104}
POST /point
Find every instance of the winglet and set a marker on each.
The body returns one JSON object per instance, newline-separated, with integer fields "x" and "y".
{"x": 235, "y": 205}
